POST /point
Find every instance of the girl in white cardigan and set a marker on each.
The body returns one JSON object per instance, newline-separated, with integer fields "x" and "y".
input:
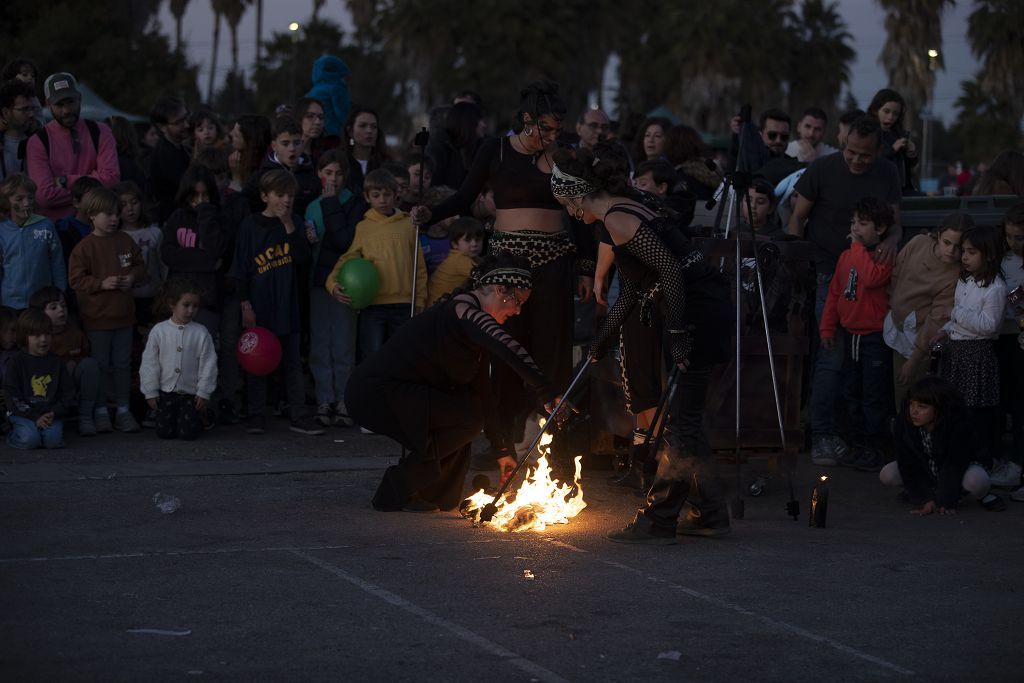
{"x": 179, "y": 366}
{"x": 969, "y": 354}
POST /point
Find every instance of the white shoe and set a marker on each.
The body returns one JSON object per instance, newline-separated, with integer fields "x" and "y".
{"x": 1006, "y": 476}
{"x": 1018, "y": 495}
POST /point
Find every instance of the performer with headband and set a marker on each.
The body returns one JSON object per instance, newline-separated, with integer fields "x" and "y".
{"x": 528, "y": 223}
{"x": 426, "y": 386}
{"x": 659, "y": 267}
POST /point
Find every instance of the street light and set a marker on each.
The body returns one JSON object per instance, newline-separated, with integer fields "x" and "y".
{"x": 926, "y": 119}
{"x": 294, "y": 28}
{"x": 933, "y": 53}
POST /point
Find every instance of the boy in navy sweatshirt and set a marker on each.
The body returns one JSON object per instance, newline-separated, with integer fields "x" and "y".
{"x": 271, "y": 248}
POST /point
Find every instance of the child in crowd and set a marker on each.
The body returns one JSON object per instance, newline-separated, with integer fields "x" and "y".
{"x": 286, "y": 154}
{"x": 936, "y": 446}
{"x": 968, "y": 357}
{"x": 466, "y": 236}
{"x": 104, "y": 268}
{"x": 148, "y": 236}
{"x": 434, "y": 242}
{"x": 332, "y": 348}
{"x": 270, "y": 249}
{"x": 1008, "y": 349}
{"x": 385, "y": 238}
{"x": 30, "y": 251}
{"x": 760, "y": 212}
{"x": 72, "y": 228}
{"x": 413, "y": 169}
{"x": 68, "y": 342}
{"x": 854, "y": 311}
{"x": 207, "y": 131}
{"x": 401, "y": 175}
{"x": 8, "y": 350}
{"x": 924, "y": 281}
{"x": 659, "y": 178}
{"x": 194, "y": 243}
{"x": 37, "y": 386}
{"x": 179, "y": 366}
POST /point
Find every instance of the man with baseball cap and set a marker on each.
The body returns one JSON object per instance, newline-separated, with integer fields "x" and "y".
{"x": 67, "y": 148}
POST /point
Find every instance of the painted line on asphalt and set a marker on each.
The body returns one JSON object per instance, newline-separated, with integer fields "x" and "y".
{"x": 227, "y": 551}
{"x": 733, "y": 607}
{"x": 461, "y": 632}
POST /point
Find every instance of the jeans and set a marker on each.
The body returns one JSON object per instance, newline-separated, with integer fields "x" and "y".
{"x": 867, "y": 386}
{"x": 87, "y": 385}
{"x": 332, "y": 347}
{"x": 291, "y": 366}
{"x": 26, "y": 435}
{"x": 828, "y": 369}
{"x": 377, "y": 324}
{"x": 112, "y": 349}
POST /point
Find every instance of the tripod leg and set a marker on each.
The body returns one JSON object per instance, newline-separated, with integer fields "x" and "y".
{"x": 737, "y": 503}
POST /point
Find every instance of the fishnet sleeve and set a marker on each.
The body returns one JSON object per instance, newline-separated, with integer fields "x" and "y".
{"x": 484, "y": 330}
{"x": 629, "y": 296}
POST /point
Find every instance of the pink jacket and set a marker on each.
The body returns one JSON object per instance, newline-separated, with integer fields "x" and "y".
{"x": 53, "y": 200}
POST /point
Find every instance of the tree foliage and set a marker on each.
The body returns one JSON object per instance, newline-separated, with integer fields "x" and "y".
{"x": 114, "y": 46}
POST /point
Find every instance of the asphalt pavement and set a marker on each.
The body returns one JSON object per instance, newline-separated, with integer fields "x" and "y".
{"x": 276, "y": 568}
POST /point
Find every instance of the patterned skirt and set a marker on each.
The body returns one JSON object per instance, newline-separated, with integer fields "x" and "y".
{"x": 537, "y": 246}
{"x": 972, "y": 367}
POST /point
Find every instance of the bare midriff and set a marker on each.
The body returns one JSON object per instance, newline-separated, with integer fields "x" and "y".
{"x": 516, "y": 220}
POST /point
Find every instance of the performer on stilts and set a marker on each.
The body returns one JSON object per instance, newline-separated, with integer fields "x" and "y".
{"x": 427, "y": 386}
{"x": 659, "y": 267}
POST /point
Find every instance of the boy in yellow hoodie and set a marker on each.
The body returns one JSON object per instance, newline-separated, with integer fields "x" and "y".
{"x": 466, "y": 236}
{"x": 386, "y": 238}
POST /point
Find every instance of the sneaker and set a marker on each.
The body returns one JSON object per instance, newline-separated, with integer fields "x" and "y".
{"x": 692, "y": 527}
{"x": 341, "y": 418}
{"x": 868, "y": 460}
{"x": 149, "y": 422}
{"x": 823, "y": 453}
{"x": 323, "y": 414}
{"x": 227, "y": 413}
{"x": 257, "y": 424}
{"x": 102, "y": 421}
{"x": 1018, "y": 495}
{"x": 307, "y": 425}
{"x": 993, "y": 503}
{"x": 86, "y": 426}
{"x": 631, "y": 533}
{"x": 1006, "y": 476}
{"x": 125, "y": 422}
{"x": 840, "y": 447}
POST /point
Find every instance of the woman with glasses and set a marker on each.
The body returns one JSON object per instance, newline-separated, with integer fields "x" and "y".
{"x": 310, "y": 113}
{"x": 529, "y": 223}
{"x": 426, "y": 387}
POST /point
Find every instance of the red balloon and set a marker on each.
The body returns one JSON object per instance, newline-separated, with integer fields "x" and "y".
{"x": 259, "y": 351}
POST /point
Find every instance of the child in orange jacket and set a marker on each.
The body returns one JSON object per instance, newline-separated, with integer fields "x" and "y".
{"x": 855, "y": 312}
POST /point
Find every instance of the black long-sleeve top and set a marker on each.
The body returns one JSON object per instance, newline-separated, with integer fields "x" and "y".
{"x": 340, "y": 220}
{"x": 936, "y": 475}
{"x": 36, "y": 385}
{"x": 195, "y": 244}
{"x": 168, "y": 164}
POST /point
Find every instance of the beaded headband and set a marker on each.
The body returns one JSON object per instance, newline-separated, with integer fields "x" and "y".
{"x": 565, "y": 185}
{"x": 509, "y": 277}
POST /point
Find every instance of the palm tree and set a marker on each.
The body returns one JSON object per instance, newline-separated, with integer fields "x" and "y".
{"x": 913, "y": 27}
{"x": 232, "y": 11}
{"x": 259, "y": 34}
{"x": 317, "y": 6}
{"x": 994, "y": 29}
{"x": 985, "y": 124}
{"x": 178, "y": 10}
{"x": 821, "y": 59}
{"x": 216, "y": 46}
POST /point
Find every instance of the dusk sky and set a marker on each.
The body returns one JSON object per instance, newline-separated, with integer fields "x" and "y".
{"x": 864, "y": 21}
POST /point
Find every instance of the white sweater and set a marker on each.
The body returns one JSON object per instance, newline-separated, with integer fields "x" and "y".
{"x": 178, "y": 359}
{"x": 977, "y": 311}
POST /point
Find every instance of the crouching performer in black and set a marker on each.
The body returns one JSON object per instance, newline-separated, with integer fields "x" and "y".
{"x": 659, "y": 267}
{"x": 427, "y": 387}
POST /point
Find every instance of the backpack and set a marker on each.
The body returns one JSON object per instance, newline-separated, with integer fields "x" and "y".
{"x": 94, "y": 133}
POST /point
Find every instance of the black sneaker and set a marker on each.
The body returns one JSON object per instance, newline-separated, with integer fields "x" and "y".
{"x": 257, "y": 424}
{"x": 307, "y": 425}
{"x": 993, "y": 503}
{"x": 227, "y": 413}
{"x": 869, "y": 460}
{"x": 631, "y": 533}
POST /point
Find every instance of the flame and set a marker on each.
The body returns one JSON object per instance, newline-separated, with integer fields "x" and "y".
{"x": 539, "y": 500}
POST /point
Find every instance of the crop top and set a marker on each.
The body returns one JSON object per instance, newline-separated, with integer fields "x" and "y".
{"x": 517, "y": 182}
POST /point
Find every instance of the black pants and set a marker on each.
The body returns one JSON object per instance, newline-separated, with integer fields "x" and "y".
{"x": 433, "y": 469}
{"x": 545, "y": 329}
{"x": 642, "y": 361}
{"x": 177, "y": 417}
{"x": 686, "y": 470}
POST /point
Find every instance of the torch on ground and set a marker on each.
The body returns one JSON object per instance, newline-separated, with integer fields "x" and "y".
{"x": 537, "y": 503}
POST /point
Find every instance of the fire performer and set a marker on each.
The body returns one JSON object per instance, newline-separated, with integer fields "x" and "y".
{"x": 427, "y": 386}
{"x": 659, "y": 267}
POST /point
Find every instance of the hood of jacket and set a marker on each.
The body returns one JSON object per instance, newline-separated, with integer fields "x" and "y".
{"x": 377, "y": 217}
{"x": 329, "y": 69}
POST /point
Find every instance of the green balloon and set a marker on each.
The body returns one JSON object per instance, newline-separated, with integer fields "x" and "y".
{"x": 360, "y": 280}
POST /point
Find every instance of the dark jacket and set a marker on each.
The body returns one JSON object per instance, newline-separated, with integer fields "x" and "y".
{"x": 196, "y": 245}
{"x": 305, "y": 174}
{"x": 340, "y": 222}
{"x": 36, "y": 385}
{"x": 954, "y": 446}
{"x": 167, "y": 165}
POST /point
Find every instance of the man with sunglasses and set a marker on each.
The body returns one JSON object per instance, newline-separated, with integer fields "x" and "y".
{"x": 171, "y": 156}
{"x": 67, "y": 148}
